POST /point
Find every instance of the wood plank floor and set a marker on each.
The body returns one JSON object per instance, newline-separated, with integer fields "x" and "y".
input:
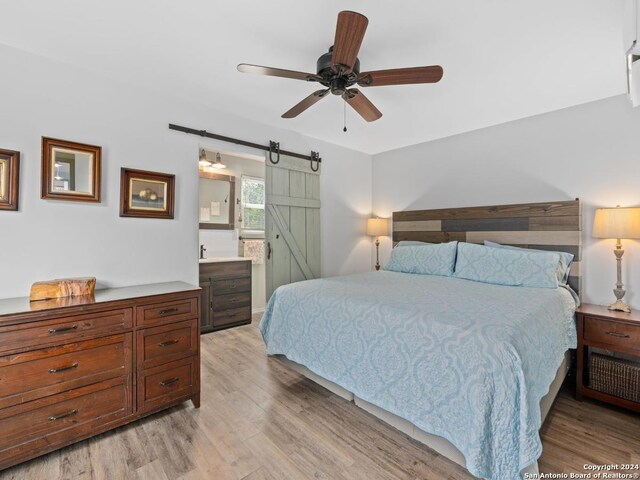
{"x": 261, "y": 421}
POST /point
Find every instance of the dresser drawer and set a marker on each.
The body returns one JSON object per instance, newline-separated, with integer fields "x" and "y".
{"x": 166, "y": 343}
{"x": 232, "y": 300}
{"x": 160, "y": 313}
{"x": 612, "y": 333}
{"x": 166, "y": 384}
{"x": 232, "y": 315}
{"x": 236, "y": 285}
{"x": 34, "y": 425}
{"x": 65, "y": 329}
{"x": 225, "y": 269}
{"x": 32, "y": 375}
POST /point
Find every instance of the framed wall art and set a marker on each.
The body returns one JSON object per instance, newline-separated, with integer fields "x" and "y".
{"x": 9, "y": 179}
{"x": 145, "y": 194}
{"x": 70, "y": 171}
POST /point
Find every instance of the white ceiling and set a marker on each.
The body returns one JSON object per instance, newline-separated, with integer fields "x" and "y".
{"x": 503, "y": 59}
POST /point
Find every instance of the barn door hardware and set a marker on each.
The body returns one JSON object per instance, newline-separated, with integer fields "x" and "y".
{"x": 274, "y": 146}
{"x": 314, "y": 158}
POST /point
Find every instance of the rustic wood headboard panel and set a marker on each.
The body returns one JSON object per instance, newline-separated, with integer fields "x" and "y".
{"x": 543, "y": 226}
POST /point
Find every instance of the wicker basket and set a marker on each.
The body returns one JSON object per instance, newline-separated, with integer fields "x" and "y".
{"x": 615, "y": 376}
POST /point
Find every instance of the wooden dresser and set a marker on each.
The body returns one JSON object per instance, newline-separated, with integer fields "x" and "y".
{"x": 226, "y": 293}
{"x": 74, "y": 367}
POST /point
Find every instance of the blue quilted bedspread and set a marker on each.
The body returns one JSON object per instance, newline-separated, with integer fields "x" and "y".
{"x": 464, "y": 360}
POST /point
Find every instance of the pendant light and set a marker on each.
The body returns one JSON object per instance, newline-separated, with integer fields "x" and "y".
{"x": 218, "y": 163}
{"x": 633, "y": 66}
{"x": 203, "y": 159}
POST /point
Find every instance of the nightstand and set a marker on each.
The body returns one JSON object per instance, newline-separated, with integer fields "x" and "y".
{"x": 607, "y": 330}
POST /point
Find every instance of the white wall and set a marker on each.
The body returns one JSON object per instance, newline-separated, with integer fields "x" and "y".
{"x": 50, "y": 239}
{"x": 591, "y": 151}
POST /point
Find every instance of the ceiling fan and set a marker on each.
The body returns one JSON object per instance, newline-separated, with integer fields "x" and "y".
{"x": 339, "y": 69}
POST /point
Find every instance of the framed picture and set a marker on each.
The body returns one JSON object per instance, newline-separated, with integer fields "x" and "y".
{"x": 9, "y": 179}
{"x": 146, "y": 194}
{"x": 70, "y": 171}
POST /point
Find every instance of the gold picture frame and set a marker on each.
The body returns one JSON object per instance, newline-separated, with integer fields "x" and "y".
{"x": 9, "y": 179}
{"x": 71, "y": 171}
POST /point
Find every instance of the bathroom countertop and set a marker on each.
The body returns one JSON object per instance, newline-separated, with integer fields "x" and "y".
{"x": 224, "y": 259}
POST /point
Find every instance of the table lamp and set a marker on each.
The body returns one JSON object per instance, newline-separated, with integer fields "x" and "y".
{"x": 617, "y": 223}
{"x": 377, "y": 227}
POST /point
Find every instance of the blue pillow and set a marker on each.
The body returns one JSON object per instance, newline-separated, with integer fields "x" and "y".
{"x": 564, "y": 266}
{"x": 502, "y": 266}
{"x": 436, "y": 259}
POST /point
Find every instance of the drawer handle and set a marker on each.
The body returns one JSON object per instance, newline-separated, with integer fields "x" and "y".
{"x": 64, "y": 329}
{"x": 64, "y": 415}
{"x": 168, "y": 311}
{"x": 618, "y": 335}
{"x": 166, "y": 383}
{"x": 167, "y": 343}
{"x": 62, "y": 369}
{"x": 232, "y": 286}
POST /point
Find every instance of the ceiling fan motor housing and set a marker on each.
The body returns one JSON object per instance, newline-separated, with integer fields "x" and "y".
{"x": 338, "y": 82}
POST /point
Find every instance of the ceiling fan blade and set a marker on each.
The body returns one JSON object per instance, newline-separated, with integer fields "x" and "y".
{"x": 306, "y": 103}
{"x": 401, "y": 76}
{"x": 362, "y": 105}
{"x": 349, "y": 34}
{"x": 277, "y": 72}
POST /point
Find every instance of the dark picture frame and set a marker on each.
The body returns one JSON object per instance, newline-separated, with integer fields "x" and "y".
{"x": 9, "y": 179}
{"x": 145, "y": 194}
{"x": 48, "y": 170}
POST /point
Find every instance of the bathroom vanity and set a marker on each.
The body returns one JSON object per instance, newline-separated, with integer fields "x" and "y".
{"x": 226, "y": 292}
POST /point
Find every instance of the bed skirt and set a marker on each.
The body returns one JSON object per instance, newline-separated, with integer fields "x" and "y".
{"x": 439, "y": 444}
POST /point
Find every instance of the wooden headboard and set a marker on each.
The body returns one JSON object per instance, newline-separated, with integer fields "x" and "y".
{"x": 543, "y": 226}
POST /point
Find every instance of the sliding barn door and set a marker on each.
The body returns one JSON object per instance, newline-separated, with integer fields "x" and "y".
{"x": 292, "y": 223}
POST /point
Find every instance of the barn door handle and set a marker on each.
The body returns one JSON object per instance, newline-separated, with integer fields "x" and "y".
{"x": 268, "y": 250}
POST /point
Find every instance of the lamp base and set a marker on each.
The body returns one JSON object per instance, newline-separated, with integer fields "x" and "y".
{"x": 620, "y": 306}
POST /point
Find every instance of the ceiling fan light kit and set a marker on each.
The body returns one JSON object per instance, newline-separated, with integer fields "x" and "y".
{"x": 338, "y": 71}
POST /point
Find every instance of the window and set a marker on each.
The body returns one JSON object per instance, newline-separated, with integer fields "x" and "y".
{"x": 252, "y": 203}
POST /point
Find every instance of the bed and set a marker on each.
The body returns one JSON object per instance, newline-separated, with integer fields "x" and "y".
{"x": 468, "y": 368}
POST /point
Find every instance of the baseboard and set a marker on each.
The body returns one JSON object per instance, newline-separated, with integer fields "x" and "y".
{"x": 257, "y": 310}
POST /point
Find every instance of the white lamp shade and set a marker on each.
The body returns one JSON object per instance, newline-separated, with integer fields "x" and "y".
{"x": 616, "y": 223}
{"x": 377, "y": 227}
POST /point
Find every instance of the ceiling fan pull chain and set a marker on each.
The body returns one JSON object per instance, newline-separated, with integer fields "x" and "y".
{"x": 345, "y": 116}
{"x": 274, "y": 146}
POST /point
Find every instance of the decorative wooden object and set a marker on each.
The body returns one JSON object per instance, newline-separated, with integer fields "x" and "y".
{"x": 48, "y": 170}
{"x": 133, "y": 183}
{"x": 544, "y": 226}
{"x": 608, "y": 330}
{"x": 69, "y": 373}
{"x": 225, "y": 295}
{"x": 9, "y": 179}
{"x": 65, "y": 287}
